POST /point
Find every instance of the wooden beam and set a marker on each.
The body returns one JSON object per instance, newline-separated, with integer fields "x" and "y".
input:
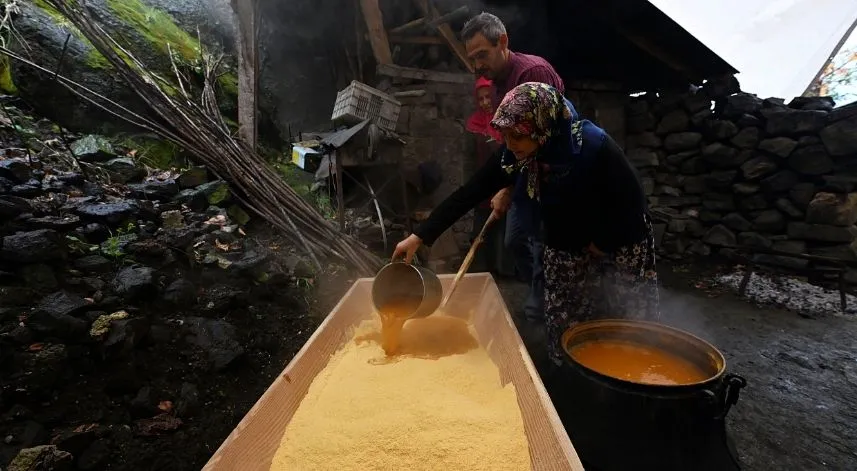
{"x": 658, "y": 53}
{"x": 421, "y": 74}
{"x": 460, "y": 11}
{"x": 430, "y": 11}
{"x": 248, "y": 68}
{"x": 407, "y": 26}
{"x": 377, "y": 34}
{"x": 402, "y": 39}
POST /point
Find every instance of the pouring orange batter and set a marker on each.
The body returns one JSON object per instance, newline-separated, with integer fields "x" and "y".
{"x": 637, "y": 363}
{"x": 393, "y": 315}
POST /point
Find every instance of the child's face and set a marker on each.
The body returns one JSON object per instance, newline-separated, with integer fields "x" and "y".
{"x": 483, "y": 99}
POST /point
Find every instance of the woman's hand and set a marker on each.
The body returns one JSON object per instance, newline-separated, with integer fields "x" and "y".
{"x": 501, "y": 201}
{"x": 407, "y": 248}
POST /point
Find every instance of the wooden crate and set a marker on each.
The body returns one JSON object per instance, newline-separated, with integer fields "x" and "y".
{"x": 253, "y": 443}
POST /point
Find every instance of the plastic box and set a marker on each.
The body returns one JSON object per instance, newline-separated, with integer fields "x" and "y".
{"x": 359, "y": 101}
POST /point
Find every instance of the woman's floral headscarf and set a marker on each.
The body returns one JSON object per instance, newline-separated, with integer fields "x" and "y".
{"x": 539, "y": 111}
{"x": 531, "y": 109}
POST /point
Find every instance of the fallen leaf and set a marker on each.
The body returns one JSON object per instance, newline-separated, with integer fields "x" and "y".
{"x": 241, "y": 231}
{"x": 165, "y": 406}
{"x": 157, "y": 425}
{"x": 221, "y": 246}
{"x": 36, "y": 347}
{"x": 85, "y": 428}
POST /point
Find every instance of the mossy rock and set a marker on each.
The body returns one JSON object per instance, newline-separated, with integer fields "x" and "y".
{"x": 216, "y": 192}
{"x": 156, "y": 27}
{"x": 93, "y": 148}
{"x": 193, "y": 177}
{"x": 153, "y": 151}
{"x": 237, "y": 214}
{"x": 41, "y": 457}
{"x": 147, "y": 28}
{"x": 93, "y": 58}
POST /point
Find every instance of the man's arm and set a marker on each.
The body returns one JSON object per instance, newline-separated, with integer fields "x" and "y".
{"x": 487, "y": 180}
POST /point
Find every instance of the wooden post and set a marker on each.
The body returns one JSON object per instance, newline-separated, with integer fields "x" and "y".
{"x": 248, "y": 70}
{"x": 377, "y": 33}
{"x": 431, "y": 13}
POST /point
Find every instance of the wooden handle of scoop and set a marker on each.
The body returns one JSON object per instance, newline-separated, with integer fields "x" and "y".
{"x": 467, "y": 260}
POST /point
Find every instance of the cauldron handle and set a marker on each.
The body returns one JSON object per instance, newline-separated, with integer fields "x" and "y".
{"x": 728, "y": 396}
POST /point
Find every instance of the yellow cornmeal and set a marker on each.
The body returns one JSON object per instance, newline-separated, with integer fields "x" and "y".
{"x": 438, "y": 406}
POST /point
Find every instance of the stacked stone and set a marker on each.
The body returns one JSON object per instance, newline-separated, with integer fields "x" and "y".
{"x": 725, "y": 168}
{"x": 432, "y": 125}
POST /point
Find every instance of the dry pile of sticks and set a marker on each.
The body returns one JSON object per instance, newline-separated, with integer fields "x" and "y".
{"x": 199, "y": 128}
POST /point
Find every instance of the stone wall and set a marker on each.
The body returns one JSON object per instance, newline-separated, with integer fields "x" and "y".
{"x": 432, "y": 125}
{"x": 724, "y": 168}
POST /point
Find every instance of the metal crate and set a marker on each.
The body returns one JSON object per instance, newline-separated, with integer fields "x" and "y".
{"x": 359, "y": 101}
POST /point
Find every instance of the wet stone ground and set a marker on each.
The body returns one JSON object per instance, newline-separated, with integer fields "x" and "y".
{"x": 799, "y": 410}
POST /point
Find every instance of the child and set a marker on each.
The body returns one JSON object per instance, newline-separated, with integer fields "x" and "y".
{"x": 490, "y": 257}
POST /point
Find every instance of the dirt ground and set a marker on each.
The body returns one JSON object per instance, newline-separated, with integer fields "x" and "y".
{"x": 799, "y": 409}
{"x": 97, "y": 407}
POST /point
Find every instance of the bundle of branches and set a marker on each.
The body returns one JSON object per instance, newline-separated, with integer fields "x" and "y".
{"x": 199, "y": 128}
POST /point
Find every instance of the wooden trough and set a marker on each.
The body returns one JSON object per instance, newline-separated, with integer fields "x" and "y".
{"x": 253, "y": 443}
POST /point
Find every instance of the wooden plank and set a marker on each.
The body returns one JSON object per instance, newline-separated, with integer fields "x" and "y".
{"x": 377, "y": 33}
{"x": 252, "y": 444}
{"x": 401, "y": 39}
{"x": 248, "y": 67}
{"x": 407, "y": 26}
{"x": 409, "y": 94}
{"x": 421, "y": 74}
{"x": 430, "y": 11}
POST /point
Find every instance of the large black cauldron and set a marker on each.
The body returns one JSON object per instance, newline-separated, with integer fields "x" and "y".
{"x": 620, "y": 425}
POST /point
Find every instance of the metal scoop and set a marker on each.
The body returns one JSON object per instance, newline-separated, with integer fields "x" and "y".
{"x": 399, "y": 279}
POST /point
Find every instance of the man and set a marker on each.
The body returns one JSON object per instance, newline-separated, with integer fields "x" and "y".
{"x": 487, "y": 46}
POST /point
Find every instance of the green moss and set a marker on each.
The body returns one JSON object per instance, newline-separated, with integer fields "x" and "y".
{"x": 7, "y": 85}
{"x": 102, "y": 325}
{"x": 219, "y": 194}
{"x": 154, "y": 152}
{"x": 301, "y": 182}
{"x": 94, "y": 58}
{"x": 157, "y": 27}
{"x": 231, "y": 123}
{"x": 229, "y": 83}
{"x": 53, "y": 12}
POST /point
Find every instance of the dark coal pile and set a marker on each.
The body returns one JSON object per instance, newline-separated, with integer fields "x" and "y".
{"x": 141, "y": 315}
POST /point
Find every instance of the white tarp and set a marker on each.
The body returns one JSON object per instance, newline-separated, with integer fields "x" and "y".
{"x": 778, "y": 46}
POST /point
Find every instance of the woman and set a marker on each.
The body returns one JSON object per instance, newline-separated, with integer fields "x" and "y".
{"x": 573, "y": 178}
{"x": 491, "y": 256}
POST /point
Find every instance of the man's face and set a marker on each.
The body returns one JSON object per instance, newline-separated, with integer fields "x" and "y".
{"x": 488, "y": 60}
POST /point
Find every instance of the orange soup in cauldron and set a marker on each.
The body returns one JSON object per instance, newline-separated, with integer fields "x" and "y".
{"x": 636, "y": 363}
